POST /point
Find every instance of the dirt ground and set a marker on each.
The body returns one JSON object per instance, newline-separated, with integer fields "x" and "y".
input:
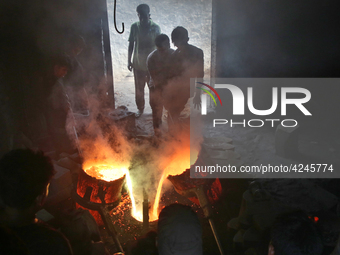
{"x": 125, "y": 95}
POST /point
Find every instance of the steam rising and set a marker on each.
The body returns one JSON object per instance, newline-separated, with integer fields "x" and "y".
{"x": 103, "y": 143}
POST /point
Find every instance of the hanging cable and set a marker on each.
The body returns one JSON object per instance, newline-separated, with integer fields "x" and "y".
{"x": 114, "y": 17}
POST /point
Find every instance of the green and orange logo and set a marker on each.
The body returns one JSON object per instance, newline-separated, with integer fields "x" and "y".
{"x": 209, "y": 93}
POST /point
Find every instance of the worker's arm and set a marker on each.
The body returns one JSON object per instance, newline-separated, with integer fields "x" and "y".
{"x": 152, "y": 68}
{"x": 200, "y": 65}
{"x": 131, "y": 44}
{"x": 132, "y": 39}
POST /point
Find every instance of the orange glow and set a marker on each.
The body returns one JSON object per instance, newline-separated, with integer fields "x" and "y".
{"x": 111, "y": 173}
{"x": 180, "y": 161}
{"x": 105, "y": 172}
{"x": 101, "y": 163}
{"x": 315, "y": 219}
{"x": 154, "y": 213}
{"x": 136, "y": 214}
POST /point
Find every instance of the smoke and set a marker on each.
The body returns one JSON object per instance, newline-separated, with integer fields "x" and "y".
{"x": 101, "y": 141}
{"x": 172, "y": 156}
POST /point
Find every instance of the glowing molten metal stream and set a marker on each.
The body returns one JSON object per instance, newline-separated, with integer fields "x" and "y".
{"x": 180, "y": 161}
{"x": 154, "y": 214}
{"x": 177, "y": 164}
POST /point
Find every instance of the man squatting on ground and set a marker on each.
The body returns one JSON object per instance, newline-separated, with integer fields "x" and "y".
{"x": 141, "y": 43}
{"x": 158, "y": 63}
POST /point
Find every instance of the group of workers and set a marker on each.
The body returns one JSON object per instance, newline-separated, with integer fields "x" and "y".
{"x": 167, "y": 72}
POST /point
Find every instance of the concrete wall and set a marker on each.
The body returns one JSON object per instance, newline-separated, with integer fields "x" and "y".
{"x": 194, "y": 15}
{"x": 283, "y": 38}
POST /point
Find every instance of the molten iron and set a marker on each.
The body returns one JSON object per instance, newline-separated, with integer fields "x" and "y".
{"x": 180, "y": 161}
{"x": 105, "y": 190}
{"x": 100, "y": 196}
{"x": 105, "y": 172}
{"x": 110, "y": 174}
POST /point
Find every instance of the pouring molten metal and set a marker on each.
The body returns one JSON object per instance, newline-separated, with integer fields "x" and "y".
{"x": 110, "y": 173}
{"x": 174, "y": 164}
{"x": 180, "y": 161}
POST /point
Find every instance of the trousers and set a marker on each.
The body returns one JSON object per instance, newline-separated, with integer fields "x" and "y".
{"x": 156, "y": 103}
{"x": 141, "y": 78}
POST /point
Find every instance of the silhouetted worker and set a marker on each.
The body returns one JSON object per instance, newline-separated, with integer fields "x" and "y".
{"x": 57, "y": 107}
{"x": 187, "y": 62}
{"x": 295, "y": 233}
{"x": 24, "y": 181}
{"x": 141, "y": 43}
{"x": 146, "y": 245}
{"x": 179, "y": 231}
{"x": 77, "y": 76}
{"x": 158, "y": 64}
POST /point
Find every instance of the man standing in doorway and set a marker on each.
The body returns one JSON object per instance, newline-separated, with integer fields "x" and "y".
{"x": 158, "y": 64}
{"x": 141, "y": 44}
{"x": 187, "y": 62}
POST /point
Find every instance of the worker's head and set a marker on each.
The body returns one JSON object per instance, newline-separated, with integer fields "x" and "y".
{"x": 179, "y": 231}
{"x": 143, "y": 12}
{"x": 179, "y": 36}
{"x": 61, "y": 66}
{"x": 77, "y": 44}
{"x": 162, "y": 42}
{"x": 24, "y": 178}
{"x": 295, "y": 234}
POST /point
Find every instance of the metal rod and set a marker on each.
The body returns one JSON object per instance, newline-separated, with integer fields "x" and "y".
{"x": 77, "y": 140}
{"x": 88, "y": 194}
{"x": 105, "y": 214}
{"x": 206, "y": 207}
{"x": 73, "y": 118}
{"x": 145, "y": 211}
{"x": 218, "y": 241}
